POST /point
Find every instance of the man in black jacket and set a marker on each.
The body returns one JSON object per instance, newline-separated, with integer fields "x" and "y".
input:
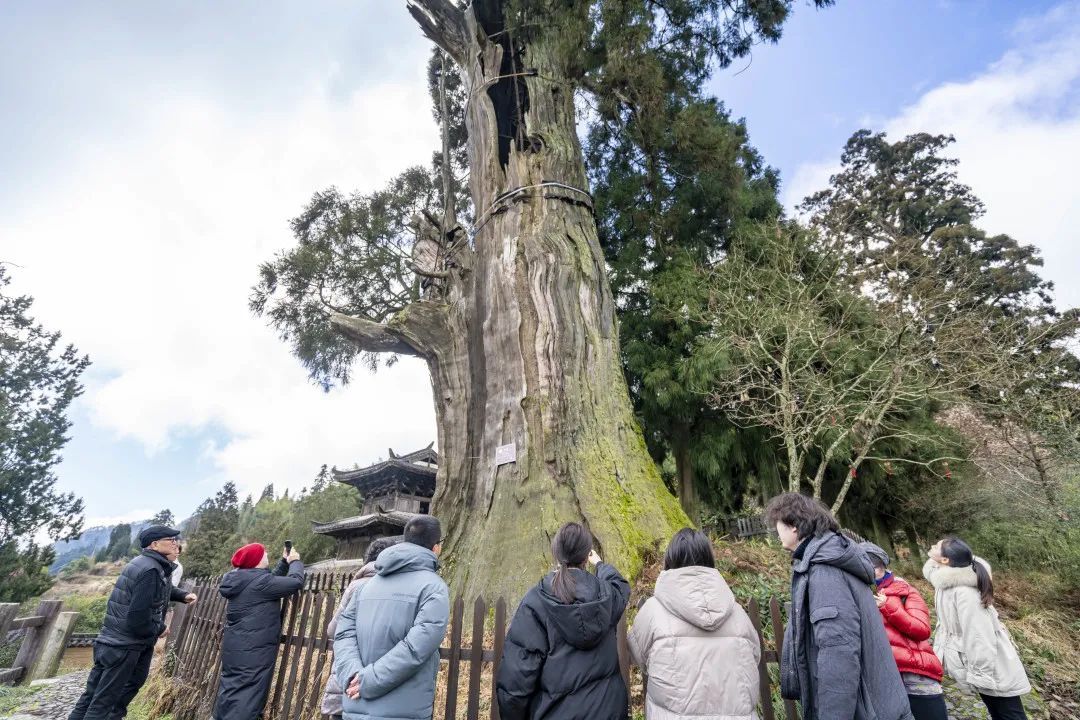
{"x": 134, "y": 620}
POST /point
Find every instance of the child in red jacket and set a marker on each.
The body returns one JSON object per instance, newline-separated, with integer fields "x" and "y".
{"x": 907, "y": 623}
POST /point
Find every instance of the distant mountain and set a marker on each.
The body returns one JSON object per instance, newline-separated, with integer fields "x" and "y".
{"x": 91, "y": 540}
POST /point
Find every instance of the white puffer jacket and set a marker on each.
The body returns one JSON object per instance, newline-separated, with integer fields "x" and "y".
{"x": 973, "y": 645}
{"x": 698, "y": 647}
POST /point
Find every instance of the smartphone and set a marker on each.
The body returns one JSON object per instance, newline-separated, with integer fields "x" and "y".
{"x": 288, "y": 546}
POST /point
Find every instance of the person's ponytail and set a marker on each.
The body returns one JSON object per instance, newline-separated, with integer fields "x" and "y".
{"x": 570, "y": 548}
{"x": 985, "y": 583}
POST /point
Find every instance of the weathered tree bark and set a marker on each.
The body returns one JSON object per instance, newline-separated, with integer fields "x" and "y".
{"x": 521, "y": 339}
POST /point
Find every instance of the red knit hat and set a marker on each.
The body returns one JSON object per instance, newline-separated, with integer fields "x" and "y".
{"x": 248, "y": 556}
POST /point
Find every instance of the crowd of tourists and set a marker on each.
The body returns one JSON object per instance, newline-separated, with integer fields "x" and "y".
{"x": 857, "y": 645}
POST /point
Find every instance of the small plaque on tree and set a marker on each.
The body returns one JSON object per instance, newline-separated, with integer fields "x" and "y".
{"x": 505, "y": 454}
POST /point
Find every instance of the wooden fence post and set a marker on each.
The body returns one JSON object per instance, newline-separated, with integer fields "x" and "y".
{"x": 453, "y": 669}
{"x": 624, "y": 653}
{"x": 7, "y": 614}
{"x": 34, "y": 640}
{"x": 54, "y": 640}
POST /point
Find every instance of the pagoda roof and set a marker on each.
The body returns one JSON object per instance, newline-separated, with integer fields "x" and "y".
{"x": 414, "y": 472}
{"x": 395, "y": 519}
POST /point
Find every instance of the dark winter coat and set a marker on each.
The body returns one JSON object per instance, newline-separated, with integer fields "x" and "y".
{"x": 561, "y": 661}
{"x": 249, "y": 646}
{"x": 907, "y": 624}
{"x": 837, "y": 661}
{"x": 135, "y": 615}
{"x": 389, "y": 637}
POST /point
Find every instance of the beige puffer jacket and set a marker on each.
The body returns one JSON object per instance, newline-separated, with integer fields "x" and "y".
{"x": 973, "y": 645}
{"x": 698, "y": 647}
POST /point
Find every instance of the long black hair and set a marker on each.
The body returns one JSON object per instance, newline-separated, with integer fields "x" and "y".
{"x": 571, "y": 548}
{"x": 689, "y": 547}
{"x": 960, "y": 555}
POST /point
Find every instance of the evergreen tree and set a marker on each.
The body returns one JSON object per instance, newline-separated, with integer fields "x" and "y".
{"x": 267, "y": 493}
{"x": 216, "y": 535}
{"x": 164, "y": 517}
{"x": 332, "y": 502}
{"x": 38, "y": 381}
{"x": 119, "y": 546}
{"x": 675, "y": 179}
{"x": 323, "y": 479}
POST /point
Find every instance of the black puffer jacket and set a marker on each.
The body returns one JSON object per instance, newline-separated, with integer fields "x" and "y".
{"x": 561, "y": 661}
{"x": 252, "y": 635}
{"x": 135, "y": 614}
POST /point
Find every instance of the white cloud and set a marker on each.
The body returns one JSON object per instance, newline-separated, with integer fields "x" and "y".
{"x": 1017, "y": 129}
{"x": 137, "y": 515}
{"x": 144, "y": 250}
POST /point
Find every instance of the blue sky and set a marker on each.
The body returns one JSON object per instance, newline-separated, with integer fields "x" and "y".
{"x": 154, "y": 153}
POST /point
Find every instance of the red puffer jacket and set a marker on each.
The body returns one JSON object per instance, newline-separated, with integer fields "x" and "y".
{"x": 907, "y": 623}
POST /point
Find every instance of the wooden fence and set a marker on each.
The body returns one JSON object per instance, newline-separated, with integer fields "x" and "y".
{"x": 469, "y": 665}
{"x": 44, "y": 637}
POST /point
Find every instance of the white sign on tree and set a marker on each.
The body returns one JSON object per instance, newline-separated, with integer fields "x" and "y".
{"x": 505, "y": 454}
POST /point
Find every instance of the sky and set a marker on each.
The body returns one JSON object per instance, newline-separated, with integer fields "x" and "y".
{"x": 155, "y": 152}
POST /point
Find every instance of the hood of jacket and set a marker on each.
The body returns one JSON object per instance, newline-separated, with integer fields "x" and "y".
{"x": 584, "y": 622}
{"x": 698, "y": 595}
{"x": 235, "y": 581}
{"x": 840, "y": 552}
{"x": 946, "y": 577}
{"x": 405, "y": 557}
{"x": 368, "y": 571}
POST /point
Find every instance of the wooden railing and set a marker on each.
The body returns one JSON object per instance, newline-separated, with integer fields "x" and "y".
{"x": 466, "y": 674}
{"x": 45, "y": 635}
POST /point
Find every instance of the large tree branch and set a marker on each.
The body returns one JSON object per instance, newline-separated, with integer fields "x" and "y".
{"x": 371, "y": 336}
{"x": 443, "y": 24}
{"x": 419, "y": 329}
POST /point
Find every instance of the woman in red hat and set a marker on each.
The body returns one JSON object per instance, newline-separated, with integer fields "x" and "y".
{"x": 249, "y": 646}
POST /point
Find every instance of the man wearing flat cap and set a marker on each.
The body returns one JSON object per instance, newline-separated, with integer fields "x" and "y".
{"x": 134, "y": 620}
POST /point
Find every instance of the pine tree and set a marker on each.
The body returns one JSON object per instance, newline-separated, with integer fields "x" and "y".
{"x": 38, "y": 381}
{"x": 216, "y": 534}
{"x": 164, "y": 517}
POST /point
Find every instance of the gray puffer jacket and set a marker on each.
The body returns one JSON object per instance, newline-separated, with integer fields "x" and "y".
{"x": 837, "y": 661}
{"x": 331, "y": 702}
{"x": 973, "y": 645}
{"x": 389, "y": 636}
{"x": 698, "y": 647}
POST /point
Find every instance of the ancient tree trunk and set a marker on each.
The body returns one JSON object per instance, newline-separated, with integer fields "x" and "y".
{"x": 520, "y": 337}
{"x": 685, "y": 475}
